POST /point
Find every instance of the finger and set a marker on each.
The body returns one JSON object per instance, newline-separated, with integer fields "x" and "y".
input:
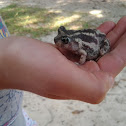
{"x": 116, "y": 58}
{"x": 106, "y": 27}
{"x": 90, "y": 66}
{"x": 118, "y": 31}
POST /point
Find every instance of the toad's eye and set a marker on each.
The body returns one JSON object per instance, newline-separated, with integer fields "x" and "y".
{"x": 65, "y": 39}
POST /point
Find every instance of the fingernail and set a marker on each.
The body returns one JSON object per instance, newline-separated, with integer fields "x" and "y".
{"x": 111, "y": 82}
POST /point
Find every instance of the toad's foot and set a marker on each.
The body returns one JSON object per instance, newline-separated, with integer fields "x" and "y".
{"x": 82, "y": 59}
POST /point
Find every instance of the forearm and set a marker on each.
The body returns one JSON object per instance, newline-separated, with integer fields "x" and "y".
{"x": 17, "y": 63}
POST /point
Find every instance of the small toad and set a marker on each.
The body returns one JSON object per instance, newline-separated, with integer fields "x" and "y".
{"x": 89, "y": 44}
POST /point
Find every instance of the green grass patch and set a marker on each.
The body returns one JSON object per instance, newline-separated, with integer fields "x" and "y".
{"x": 22, "y": 20}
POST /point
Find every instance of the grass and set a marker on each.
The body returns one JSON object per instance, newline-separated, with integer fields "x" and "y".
{"x": 22, "y": 20}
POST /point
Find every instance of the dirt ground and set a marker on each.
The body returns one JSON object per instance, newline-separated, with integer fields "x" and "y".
{"x": 112, "y": 111}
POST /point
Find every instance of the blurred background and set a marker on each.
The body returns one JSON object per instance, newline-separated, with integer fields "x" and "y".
{"x": 40, "y": 19}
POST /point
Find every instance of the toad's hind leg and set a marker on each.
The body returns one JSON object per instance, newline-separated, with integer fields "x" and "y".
{"x": 105, "y": 47}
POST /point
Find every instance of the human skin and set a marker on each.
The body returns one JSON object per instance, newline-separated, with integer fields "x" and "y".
{"x": 31, "y": 65}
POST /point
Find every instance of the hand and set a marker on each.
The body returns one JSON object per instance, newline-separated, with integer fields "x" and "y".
{"x": 115, "y": 61}
{"x": 31, "y": 65}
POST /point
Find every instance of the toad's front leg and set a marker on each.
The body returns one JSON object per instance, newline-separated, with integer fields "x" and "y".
{"x": 105, "y": 47}
{"x": 83, "y": 55}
